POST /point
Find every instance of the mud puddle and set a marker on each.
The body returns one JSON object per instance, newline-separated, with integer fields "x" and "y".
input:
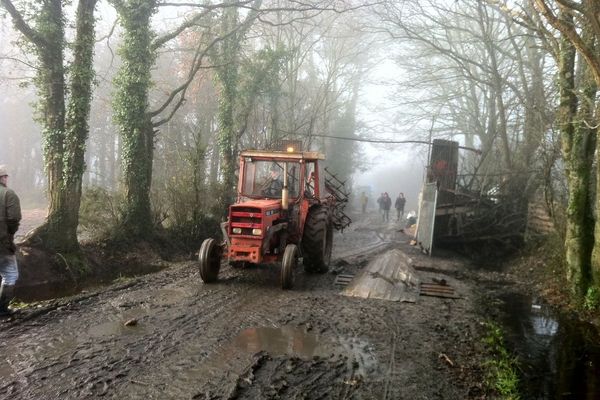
{"x": 290, "y": 342}
{"x": 295, "y": 342}
{"x": 559, "y": 356}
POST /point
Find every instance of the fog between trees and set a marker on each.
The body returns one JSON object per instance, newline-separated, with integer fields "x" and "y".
{"x": 178, "y": 88}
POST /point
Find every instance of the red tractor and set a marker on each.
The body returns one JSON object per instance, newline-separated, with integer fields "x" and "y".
{"x": 285, "y": 210}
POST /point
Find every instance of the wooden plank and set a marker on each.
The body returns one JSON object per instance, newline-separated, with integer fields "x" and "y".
{"x": 437, "y": 290}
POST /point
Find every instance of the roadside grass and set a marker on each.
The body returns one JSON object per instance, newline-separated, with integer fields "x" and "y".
{"x": 591, "y": 301}
{"x": 501, "y": 366}
{"x": 542, "y": 266}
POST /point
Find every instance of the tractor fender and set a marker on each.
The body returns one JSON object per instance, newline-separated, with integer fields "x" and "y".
{"x": 271, "y": 233}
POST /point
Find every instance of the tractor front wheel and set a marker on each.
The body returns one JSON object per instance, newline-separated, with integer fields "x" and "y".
{"x": 288, "y": 264}
{"x": 210, "y": 260}
{"x": 317, "y": 240}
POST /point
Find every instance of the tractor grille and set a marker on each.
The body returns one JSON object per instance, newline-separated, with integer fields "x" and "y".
{"x": 246, "y": 218}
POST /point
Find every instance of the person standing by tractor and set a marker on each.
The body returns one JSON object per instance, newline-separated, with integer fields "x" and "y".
{"x": 399, "y": 205}
{"x": 386, "y": 204}
{"x": 10, "y": 217}
{"x": 380, "y": 203}
{"x": 364, "y": 200}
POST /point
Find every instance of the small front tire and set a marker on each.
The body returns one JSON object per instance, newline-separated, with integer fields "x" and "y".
{"x": 210, "y": 260}
{"x": 288, "y": 264}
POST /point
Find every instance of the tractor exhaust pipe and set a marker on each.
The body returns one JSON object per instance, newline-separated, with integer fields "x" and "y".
{"x": 284, "y": 191}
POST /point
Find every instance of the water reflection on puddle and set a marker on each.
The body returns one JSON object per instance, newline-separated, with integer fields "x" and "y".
{"x": 117, "y": 326}
{"x": 542, "y": 322}
{"x": 280, "y": 341}
{"x": 293, "y": 341}
{"x": 559, "y": 357}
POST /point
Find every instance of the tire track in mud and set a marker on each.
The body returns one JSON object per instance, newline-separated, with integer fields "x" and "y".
{"x": 229, "y": 314}
{"x": 185, "y": 344}
{"x": 160, "y": 341}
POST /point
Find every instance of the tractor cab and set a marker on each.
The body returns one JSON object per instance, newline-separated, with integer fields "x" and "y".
{"x": 278, "y": 175}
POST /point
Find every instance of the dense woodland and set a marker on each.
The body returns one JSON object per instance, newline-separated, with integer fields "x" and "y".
{"x": 141, "y": 106}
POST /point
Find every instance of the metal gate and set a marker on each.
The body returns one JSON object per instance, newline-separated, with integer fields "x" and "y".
{"x": 426, "y": 219}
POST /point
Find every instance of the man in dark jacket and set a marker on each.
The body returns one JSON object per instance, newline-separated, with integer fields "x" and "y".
{"x": 10, "y": 217}
{"x": 273, "y": 185}
{"x": 386, "y": 204}
{"x": 400, "y": 202}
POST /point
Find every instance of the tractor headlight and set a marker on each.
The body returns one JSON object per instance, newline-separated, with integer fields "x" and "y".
{"x": 236, "y": 231}
{"x": 257, "y": 232}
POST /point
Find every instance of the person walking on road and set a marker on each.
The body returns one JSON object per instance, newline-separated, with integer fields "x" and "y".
{"x": 380, "y": 203}
{"x": 399, "y": 205}
{"x": 364, "y": 200}
{"x": 386, "y": 204}
{"x": 10, "y": 217}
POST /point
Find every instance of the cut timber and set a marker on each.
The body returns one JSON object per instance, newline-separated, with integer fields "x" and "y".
{"x": 389, "y": 277}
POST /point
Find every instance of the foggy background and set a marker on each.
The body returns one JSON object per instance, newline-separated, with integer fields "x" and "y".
{"x": 389, "y": 71}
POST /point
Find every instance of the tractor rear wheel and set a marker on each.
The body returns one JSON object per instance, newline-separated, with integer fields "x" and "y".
{"x": 317, "y": 240}
{"x": 288, "y": 264}
{"x": 210, "y": 260}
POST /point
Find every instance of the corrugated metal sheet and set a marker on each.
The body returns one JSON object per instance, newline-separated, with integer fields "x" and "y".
{"x": 390, "y": 276}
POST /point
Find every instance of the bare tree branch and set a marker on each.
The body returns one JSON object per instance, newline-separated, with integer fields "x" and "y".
{"x": 158, "y": 42}
{"x": 110, "y": 32}
{"x": 570, "y": 32}
{"x": 22, "y": 26}
{"x": 196, "y": 66}
{"x": 19, "y": 61}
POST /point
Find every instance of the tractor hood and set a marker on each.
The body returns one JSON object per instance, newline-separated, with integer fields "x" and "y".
{"x": 263, "y": 205}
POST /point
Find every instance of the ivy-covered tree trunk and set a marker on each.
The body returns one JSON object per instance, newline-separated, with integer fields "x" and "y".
{"x": 131, "y": 113}
{"x": 227, "y": 56}
{"x": 227, "y": 137}
{"x": 227, "y": 75}
{"x": 78, "y": 111}
{"x": 595, "y": 268}
{"x": 63, "y": 135}
{"x": 50, "y": 81}
{"x": 578, "y": 148}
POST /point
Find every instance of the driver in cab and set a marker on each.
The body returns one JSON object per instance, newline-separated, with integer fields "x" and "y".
{"x": 273, "y": 185}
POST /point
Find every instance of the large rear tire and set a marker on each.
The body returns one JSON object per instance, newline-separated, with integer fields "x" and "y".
{"x": 288, "y": 265}
{"x": 317, "y": 240}
{"x": 210, "y": 260}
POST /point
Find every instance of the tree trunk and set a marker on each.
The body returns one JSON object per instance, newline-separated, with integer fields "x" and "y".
{"x": 227, "y": 76}
{"x": 63, "y": 135}
{"x": 77, "y": 129}
{"x": 578, "y": 148}
{"x": 50, "y": 81}
{"x": 595, "y": 268}
{"x": 131, "y": 114}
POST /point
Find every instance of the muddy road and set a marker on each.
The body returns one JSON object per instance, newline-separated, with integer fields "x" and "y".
{"x": 169, "y": 336}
